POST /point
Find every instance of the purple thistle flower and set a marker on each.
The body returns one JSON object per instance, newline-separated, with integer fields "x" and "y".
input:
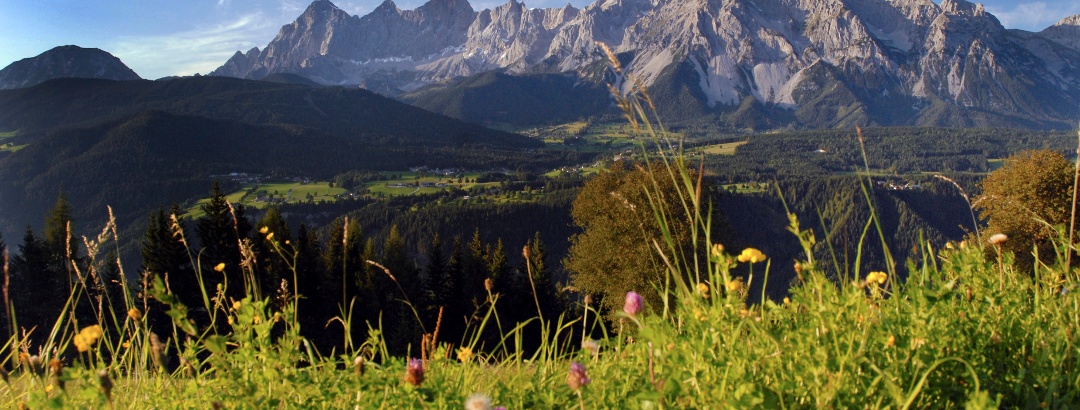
{"x": 414, "y": 372}
{"x": 577, "y": 377}
{"x": 634, "y": 303}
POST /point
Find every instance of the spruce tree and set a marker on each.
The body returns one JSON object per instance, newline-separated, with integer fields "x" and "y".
{"x": 436, "y": 281}
{"x": 36, "y": 291}
{"x": 63, "y": 247}
{"x": 219, "y": 235}
{"x": 164, "y": 254}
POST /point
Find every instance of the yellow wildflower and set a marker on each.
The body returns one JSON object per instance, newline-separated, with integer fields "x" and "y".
{"x": 751, "y": 255}
{"x": 465, "y": 354}
{"x": 876, "y": 277}
{"x": 270, "y": 236}
{"x": 49, "y": 388}
{"x": 236, "y": 305}
{"x": 786, "y": 300}
{"x": 703, "y": 289}
{"x": 86, "y": 338}
{"x": 126, "y": 345}
{"x": 135, "y": 314}
{"x": 700, "y": 315}
{"x": 891, "y": 342}
{"x": 735, "y": 285}
{"x": 81, "y": 344}
{"x": 220, "y": 267}
{"x": 92, "y": 332}
{"x": 264, "y": 230}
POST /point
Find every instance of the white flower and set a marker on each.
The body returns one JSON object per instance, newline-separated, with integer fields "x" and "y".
{"x": 998, "y": 239}
{"x": 478, "y": 401}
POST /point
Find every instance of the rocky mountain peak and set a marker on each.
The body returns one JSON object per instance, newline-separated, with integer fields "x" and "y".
{"x": 65, "y": 62}
{"x": 387, "y": 6}
{"x": 445, "y": 7}
{"x": 963, "y": 7}
{"x": 1066, "y": 32}
{"x": 1069, "y": 21}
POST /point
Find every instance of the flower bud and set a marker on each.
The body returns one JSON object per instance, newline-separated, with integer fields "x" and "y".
{"x": 634, "y": 303}
{"x": 577, "y": 377}
{"x": 414, "y": 372}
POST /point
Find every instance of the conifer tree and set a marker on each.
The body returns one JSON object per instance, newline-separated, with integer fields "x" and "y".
{"x": 546, "y": 288}
{"x": 397, "y": 261}
{"x": 474, "y": 271}
{"x": 219, "y": 235}
{"x": 498, "y": 268}
{"x": 62, "y": 244}
{"x": 436, "y": 280}
{"x": 271, "y": 267}
{"x": 458, "y": 306}
{"x": 164, "y": 254}
{"x": 35, "y": 289}
{"x": 312, "y": 312}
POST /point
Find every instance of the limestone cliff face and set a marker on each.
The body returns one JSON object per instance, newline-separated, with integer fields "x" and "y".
{"x": 64, "y": 62}
{"x": 912, "y": 60}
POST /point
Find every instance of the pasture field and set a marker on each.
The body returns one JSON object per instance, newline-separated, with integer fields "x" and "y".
{"x": 8, "y": 146}
{"x": 727, "y": 148}
{"x": 259, "y": 195}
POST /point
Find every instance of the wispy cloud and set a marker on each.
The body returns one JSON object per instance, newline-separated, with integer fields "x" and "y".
{"x": 355, "y": 8}
{"x": 290, "y": 9}
{"x": 200, "y": 50}
{"x": 1034, "y": 16}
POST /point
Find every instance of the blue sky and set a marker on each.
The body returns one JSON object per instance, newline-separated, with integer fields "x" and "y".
{"x": 157, "y": 38}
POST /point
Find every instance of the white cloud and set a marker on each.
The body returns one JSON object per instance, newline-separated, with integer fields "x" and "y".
{"x": 1034, "y": 16}
{"x": 199, "y": 50}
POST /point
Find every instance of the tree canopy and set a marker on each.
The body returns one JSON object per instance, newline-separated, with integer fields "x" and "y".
{"x": 615, "y": 253}
{"x": 1025, "y": 199}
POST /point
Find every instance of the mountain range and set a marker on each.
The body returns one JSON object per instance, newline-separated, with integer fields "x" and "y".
{"x": 745, "y": 63}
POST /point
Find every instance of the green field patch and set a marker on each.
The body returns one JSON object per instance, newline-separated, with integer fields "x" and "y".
{"x": 575, "y": 128}
{"x": 417, "y": 183}
{"x": 727, "y": 148}
{"x": 8, "y": 146}
{"x": 11, "y": 147}
{"x": 261, "y": 195}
